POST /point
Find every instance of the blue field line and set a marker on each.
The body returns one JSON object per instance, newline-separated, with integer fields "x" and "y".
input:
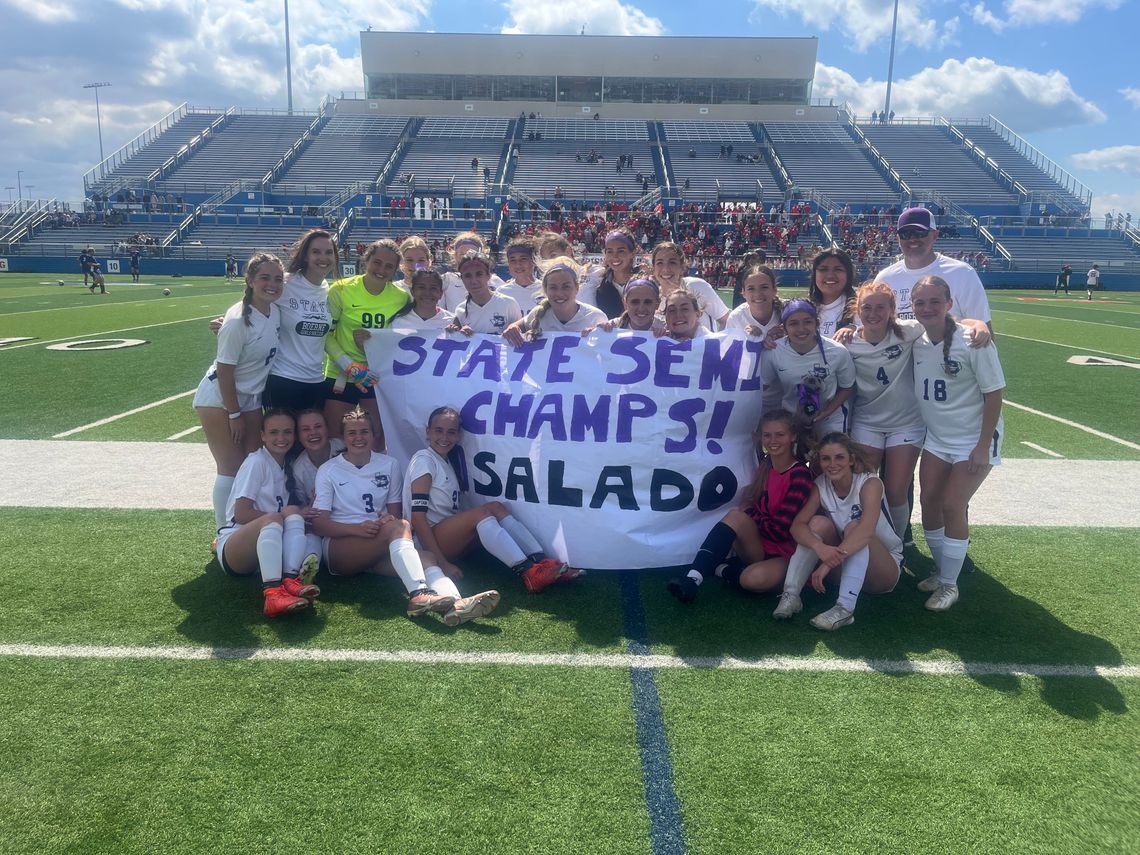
{"x": 666, "y": 829}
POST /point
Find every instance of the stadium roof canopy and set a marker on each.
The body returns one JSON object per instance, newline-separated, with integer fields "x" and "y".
{"x": 658, "y": 77}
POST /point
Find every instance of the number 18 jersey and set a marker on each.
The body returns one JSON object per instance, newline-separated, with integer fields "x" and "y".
{"x": 950, "y": 398}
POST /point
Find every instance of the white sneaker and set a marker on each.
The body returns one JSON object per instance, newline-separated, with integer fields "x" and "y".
{"x": 790, "y": 604}
{"x": 929, "y": 584}
{"x": 469, "y": 608}
{"x": 833, "y": 618}
{"x": 943, "y": 598}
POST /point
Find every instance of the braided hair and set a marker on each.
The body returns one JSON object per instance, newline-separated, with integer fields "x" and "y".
{"x": 950, "y": 325}
{"x": 251, "y": 268}
{"x": 533, "y": 328}
{"x": 476, "y": 256}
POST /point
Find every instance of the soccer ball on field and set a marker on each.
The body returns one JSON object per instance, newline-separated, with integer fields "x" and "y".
{"x": 165, "y": 292}
{"x": 59, "y": 282}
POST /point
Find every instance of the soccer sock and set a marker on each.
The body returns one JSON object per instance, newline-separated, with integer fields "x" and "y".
{"x": 313, "y": 545}
{"x": 223, "y": 484}
{"x": 950, "y": 563}
{"x": 851, "y": 577}
{"x": 713, "y": 551}
{"x": 800, "y": 566}
{"x": 731, "y": 572}
{"x": 439, "y": 582}
{"x": 934, "y": 539}
{"x": 522, "y": 536}
{"x": 293, "y": 550}
{"x": 269, "y": 555}
{"x": 407, "y": 563}
{"x": 498, "y": 541}
{"x": 900, "y": 516}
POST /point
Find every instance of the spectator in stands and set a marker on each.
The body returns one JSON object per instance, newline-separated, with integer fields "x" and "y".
{"x": 474, "y": 164}
{"x": 692, "y": 153}
{"x": 917, "y": 235}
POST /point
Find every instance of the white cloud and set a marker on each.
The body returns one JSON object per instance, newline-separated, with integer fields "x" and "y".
{"x": 1025, "y": 100}
{"x": 1114, "y": 202}
{"x": 1120, "y": 158}
{"x": 1023, "y": 13}
{"x": 864, "y": 21}
{"x": 599, "y": 17}
{"x": 1131, "y": 95}
{"x": 48, "y": 11}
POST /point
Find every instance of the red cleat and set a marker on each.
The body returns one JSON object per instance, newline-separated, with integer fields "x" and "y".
{"x": 299, "y": 589}
{"x": 279, "y": 602}
{"x": 542, "y": 575}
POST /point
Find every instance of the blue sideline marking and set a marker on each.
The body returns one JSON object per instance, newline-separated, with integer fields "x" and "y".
{"x": 666, "y": 831}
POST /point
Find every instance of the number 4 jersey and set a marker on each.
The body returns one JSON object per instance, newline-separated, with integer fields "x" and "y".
{"x": 354, "y": 494}
{"x": 950, "y": 391}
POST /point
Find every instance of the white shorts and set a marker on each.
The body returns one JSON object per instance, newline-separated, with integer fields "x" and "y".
{"x": 209, "y": 394}
{"x": 224, "y": 534}
{"x": 958, "y": 454}
{"x": 881, "y": 439}
{"x": 835, "y": 423}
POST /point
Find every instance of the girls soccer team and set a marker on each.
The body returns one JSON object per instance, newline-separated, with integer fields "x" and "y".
{"x": 289, "y": 491}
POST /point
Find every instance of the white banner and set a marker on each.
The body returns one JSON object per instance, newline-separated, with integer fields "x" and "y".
{"x": 618, "y": 450}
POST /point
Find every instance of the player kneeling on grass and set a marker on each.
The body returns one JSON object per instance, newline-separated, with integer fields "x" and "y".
{"x": 431, "y": 502}
{"x": 759, "y": 530}
{"x": 852, "y": 537}
{"x": 959, "y": 391}
{"x": 358, "y": 503}
{"x": 264, "y": 534}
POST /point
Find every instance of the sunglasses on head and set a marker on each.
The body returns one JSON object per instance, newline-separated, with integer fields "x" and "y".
{"x": 912, "y": 234}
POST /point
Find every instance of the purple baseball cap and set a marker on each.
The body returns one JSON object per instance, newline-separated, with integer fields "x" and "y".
{"x": 919, "y": 218}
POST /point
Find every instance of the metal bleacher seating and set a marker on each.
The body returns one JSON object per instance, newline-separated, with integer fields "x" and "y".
{"x": 246, "y": 147}
{"x": 1047, "y": 249}
{"x": 214, "y": 240}
{"x": 440, "y": 156}
{"x": 737, "y": 178}
{"x": 348, "y": 149}
{"x": 823, "y": 156}
{"x": 1012, "y": 161}
{"x": 560, "y": 157}
{"x": 101, "y": 238}
{"x": 929, "y": 159}
{"x": 153, "y": 155}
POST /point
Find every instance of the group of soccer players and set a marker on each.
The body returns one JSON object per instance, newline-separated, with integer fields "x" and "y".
{"x": 857, "y": 380}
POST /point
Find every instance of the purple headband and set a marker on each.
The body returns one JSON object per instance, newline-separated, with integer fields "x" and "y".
{"x": 643, "y": 283}
{"x": 798, "y": 305}
{"x": 620, "y": 236}
{"x": 467, "y": 242}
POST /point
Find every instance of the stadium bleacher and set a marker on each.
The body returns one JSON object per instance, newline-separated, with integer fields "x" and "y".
{"x": 824, "y": 157}
{"x": 1048, "y": 249}
{"x": 348, "y": 149}
{"x": 1013, "y": 161}
{"x": 246, "y": 147}
{"x": 136, "y": 169}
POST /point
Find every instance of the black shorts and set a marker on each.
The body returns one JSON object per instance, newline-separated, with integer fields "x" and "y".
{"x": 351, "y": 393}
{"x": 294, "y": 395}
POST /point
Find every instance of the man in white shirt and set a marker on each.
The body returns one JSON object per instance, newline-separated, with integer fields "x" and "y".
{"x": 917, "y": 235}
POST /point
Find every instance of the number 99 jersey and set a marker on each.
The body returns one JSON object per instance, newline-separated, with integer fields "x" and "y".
{"x": 950, "y": 392}
{"x": 354, "y": 495}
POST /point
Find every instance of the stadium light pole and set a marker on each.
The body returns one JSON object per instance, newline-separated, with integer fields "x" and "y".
{"x": 288, "y": 63}
{"x": 10, "y": 188}
{"x": 19, "y": 188}
{"x": 891, "y": 61}
{"x": 98, "y": 117}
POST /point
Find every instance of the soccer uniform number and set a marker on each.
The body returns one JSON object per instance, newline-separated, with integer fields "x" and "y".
{"x": 373, "y": 321}
{"x": 368, "y": 506}
{"x": 280, "y": 503}
{"x": 454, "y": 500}
{"x": 881, "y": 376}
{"x": 939, "y": 390}
{"x": 272, "y": 353}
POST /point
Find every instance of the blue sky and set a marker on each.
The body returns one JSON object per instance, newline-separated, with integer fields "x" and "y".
{"x": 1054, "y": 70}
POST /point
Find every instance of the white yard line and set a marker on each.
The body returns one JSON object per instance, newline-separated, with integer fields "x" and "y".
{"x": 934, "y": 667}
{"x": 1126, "y": 443}
{"x": 1043, "y": 449}
{"x": 191, "y": 430}
{"x": 86, "y": 307}
{"x": 115, "y": 418}
{"x": 1000, "y": 335}
{"x": 1066, "y": 320}
{"x": 102, "y": 333}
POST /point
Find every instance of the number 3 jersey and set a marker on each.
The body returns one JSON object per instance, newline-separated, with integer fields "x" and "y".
{"x": 950, "y": 391}
{"x": 355, "y": 494}
{"x": 261, "y": 479}
{"x": 443, "y": 498}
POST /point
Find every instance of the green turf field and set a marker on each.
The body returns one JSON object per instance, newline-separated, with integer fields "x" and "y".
{"x": 147, "y": 706}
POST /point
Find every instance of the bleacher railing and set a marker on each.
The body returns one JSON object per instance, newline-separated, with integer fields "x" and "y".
{"x": 877, "y": 156}
{"x": 189, "y": 148}
{"x": 126, "y": 152}
{"x": 1026, "y": 150}
{"x": 296, "y": 148}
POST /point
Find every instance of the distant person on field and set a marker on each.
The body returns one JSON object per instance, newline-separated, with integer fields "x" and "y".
{"x": 1093, "y": 279}
{"x": 97, "y": 280}
{"x": 1063, "y": 279}
{"x": 136, "y": 255}
{"x": 231, "y": 267}
{"x": 86, "y": 259}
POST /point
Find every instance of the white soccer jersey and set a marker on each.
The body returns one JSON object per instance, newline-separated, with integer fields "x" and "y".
{"x": 741, "y": 318}
{"x": 262, "y": 480}
{"x": 527, "y": 296}
{"x": 492, "y": 317}
{"x": 354, "y": 494}
{"x": 587, "y": 316}
{"x": 589, "y": 283}
{"x": 443, "y": 497}
{"x": 830, "y": 314}
{"x": 951, "y": 402}
{"x": 712, "y": 306}
{"x": 884, "y": 381}
{"x": 249, "y": 349}
{"x": 965, "y": 287}
{"x": 305, "y": 471}
{"x": 783, "y": 369}
{"x": 305, "y": 321}
{"x": 848, "y": 509}
{"x": 455, "y": 293}
{"x": 411, "y": 322}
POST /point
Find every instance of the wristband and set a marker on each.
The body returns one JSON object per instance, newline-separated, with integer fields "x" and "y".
{"x": 234, "y": 416}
